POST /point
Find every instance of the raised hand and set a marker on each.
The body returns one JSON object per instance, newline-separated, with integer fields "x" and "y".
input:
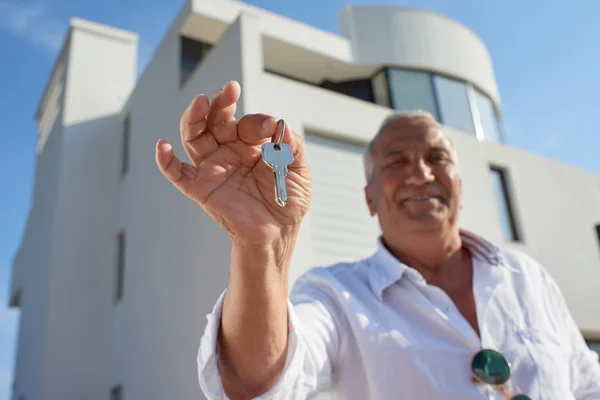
{"x": 227, "y": 176}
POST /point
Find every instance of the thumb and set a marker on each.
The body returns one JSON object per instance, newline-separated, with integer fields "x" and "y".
{"x": 181, "y": 175}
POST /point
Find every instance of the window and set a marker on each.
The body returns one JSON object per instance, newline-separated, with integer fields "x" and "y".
{"x": 192, "y": 53}
{"x": 116, "y": 393}
{"x": 487, "y": 117}
{"x": 360, "y": 89}
{"x": 120, "y": 266}
{"x": 598, "y": 232}
{"x": 454, "y": 104}
{"x": 504, "y": 204}
{"x": 410, "y": 90}
{"x": 125, "y": 150}
{"x": 381, "y": 91}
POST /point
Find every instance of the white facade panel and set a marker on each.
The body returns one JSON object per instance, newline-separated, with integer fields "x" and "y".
{"x": 176, "y": 257}
{"x": 33, "y": 264}
{"x": 342, "y": 228}
{"x": 96, "y": 96}
{"x": 81, "y": 281}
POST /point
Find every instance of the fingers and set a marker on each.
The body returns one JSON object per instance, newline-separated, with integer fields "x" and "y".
{"x": 254, "y": 129}
{"x": 197, "y": 142}
{"x": 181, "y": 175}
{"x": 204, "y": 125}
{"x": 221, "y": 115}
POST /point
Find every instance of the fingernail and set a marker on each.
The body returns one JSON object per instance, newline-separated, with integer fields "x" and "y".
{"x": 267, "y": 122}
{"x": 196, "y": 99}
{"x": 164, "y": 145}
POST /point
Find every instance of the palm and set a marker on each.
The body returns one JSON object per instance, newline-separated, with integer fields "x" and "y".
{"x": 236, "y": 188}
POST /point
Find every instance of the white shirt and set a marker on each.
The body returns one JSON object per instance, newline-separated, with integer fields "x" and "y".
{"x": 375, "y": 329}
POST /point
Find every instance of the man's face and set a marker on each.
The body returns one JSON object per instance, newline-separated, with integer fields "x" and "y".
{"x": 415, "y": 186}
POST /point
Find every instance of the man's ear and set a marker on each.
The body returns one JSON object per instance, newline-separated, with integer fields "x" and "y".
{"x": 369, "y": 199}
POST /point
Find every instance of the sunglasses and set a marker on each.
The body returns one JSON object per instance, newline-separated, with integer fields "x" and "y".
{"x": 491, "y": 368}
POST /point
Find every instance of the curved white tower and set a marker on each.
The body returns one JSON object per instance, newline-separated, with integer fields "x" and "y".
{"x": 424, "y": 45}
{"x": 421, "y": 40}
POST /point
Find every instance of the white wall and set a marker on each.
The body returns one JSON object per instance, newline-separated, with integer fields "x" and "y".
{"x": 100, "y": 73}
{"x": 272, "y": 25}
{"x": 177, "y": 258}
{"x": 34, "y": 263}
{"x": 419, "y": 39}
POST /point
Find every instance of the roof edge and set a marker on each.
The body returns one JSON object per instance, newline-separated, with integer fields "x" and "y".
{"x": 87, "y": 26}
{"x": 103, "y": 30}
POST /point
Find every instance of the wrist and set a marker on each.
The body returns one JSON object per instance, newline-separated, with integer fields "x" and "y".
{"x": 263, "y": 263}
{"x": 279, "y": 245}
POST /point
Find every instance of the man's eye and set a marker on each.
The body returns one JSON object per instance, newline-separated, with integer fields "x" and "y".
{"x": 397, "y": 162}
{"x": 437, "y": 158}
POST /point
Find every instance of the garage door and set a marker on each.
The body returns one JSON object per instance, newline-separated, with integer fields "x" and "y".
{"x": 342, "y": 228}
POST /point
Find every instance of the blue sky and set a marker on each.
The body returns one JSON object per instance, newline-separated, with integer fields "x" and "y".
{"x": 545, "y": 55}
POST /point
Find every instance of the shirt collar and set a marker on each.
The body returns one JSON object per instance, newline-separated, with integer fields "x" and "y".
{"x": 385, "y": 269}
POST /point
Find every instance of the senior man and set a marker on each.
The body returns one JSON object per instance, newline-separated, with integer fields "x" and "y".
{"x": 436, "y": 313}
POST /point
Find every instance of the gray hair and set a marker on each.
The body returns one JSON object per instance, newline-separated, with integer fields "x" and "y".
{"x": 409, "y": 115}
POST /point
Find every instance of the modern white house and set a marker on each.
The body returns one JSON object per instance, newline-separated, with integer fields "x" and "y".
{"x": 117, "y": 270}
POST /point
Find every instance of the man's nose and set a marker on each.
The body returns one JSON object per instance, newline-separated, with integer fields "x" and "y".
{"x": 420, "y": 173}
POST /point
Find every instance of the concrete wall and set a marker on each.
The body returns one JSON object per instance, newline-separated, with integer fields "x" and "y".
{"x": 418, "y": 39}
{"x": 272, "y": 25}
{"x": 177, "y": 258}
{"x": 67, "y": 255}
{"x": 34, "y": 265}
{"x": 100, "y": 75}
{"x": 101, "y": 72}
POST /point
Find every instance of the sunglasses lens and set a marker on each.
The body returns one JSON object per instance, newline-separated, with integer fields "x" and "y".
{"x": 520, "y": 397}
{"x": 491, "y": 367}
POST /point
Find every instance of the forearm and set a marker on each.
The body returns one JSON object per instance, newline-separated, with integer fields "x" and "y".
{"x": 254, "y": 324}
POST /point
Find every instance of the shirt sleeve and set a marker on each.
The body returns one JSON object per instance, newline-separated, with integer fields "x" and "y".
{"x": 585, "y": 365}
{"x": 313, "y": 347}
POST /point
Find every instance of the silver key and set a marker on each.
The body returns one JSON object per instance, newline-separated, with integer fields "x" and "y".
{"x": 278, "y": 156}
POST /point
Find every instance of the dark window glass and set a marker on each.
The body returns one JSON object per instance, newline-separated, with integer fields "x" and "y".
{"x": 412, "y": 90}
{"x": 504, "y": 204}
{"x": 192, "y": 53}
{"x": 360, "y": 89}
{"x": 454, "y": 104}
{"x": 381, "y": 90}
{"x": 120, "y": 286}
{"x": 116, "y": 393}
{"x": 125, "y": 149}
{"x": 487, "y": 117}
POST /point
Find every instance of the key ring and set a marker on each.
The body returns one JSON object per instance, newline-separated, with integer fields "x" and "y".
{"x": 281, "y": 133}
